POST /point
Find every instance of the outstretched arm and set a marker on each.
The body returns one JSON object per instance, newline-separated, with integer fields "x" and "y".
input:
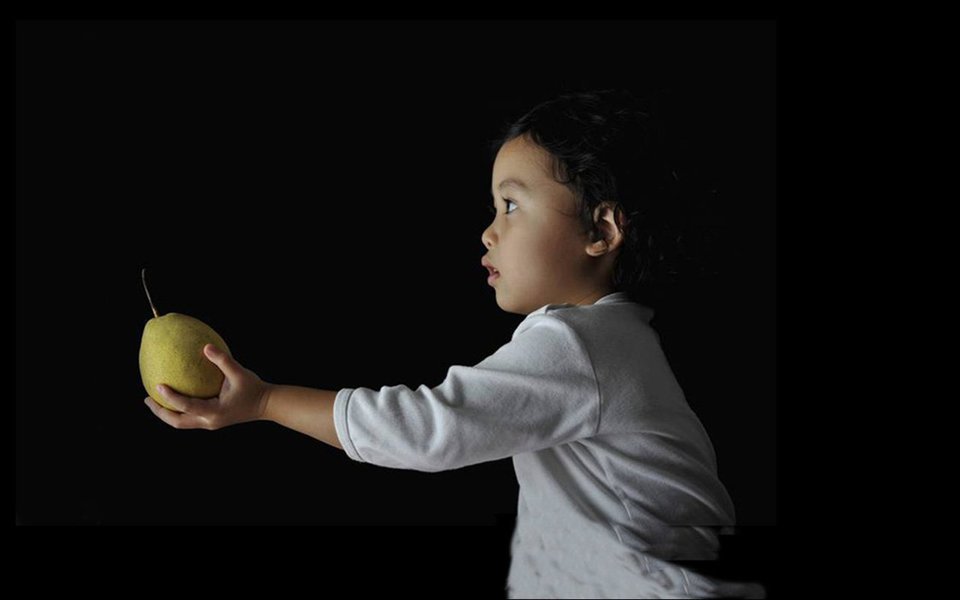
{"x": 303, "y": 409}
{"x": 538, "y": 391}
{"x": 245, "y": 397}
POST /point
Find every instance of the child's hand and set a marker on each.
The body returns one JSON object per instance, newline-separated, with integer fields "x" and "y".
{"x": 243, "y": 397}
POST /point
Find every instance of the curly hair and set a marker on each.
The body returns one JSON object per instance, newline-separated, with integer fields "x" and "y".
{"x": 609, "y": 145}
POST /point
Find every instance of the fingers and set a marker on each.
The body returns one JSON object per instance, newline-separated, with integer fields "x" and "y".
{"x": 230, "y": 367}
{"x": 184, "y": 404}
{"x": 175, "y": 419}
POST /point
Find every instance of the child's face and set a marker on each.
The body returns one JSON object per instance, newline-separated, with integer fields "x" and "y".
{"x": 535, "y": 240}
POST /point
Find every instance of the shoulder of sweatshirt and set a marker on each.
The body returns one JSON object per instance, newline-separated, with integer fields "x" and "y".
{"x": 610, "y": 320}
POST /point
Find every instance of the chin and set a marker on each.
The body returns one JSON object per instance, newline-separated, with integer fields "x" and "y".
{"x": 512, "y": 308}
{"x": 504, "y": 306}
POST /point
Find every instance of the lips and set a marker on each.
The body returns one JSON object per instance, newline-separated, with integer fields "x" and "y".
{"x": 490, "y": 268}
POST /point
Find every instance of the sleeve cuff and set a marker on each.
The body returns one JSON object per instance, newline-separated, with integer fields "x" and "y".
{"x": 340, "y": 423}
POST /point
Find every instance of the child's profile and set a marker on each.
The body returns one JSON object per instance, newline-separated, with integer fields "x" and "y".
{"x": 618, "y": 477}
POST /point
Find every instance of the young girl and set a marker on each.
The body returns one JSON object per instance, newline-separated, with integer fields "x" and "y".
{"x": 617, "y": 475}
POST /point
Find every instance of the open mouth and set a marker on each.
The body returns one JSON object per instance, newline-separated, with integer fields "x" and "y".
{"x": 492, "y": 272}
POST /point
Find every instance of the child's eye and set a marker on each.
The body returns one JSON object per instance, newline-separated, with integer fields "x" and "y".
{"x": 493, "y": 209}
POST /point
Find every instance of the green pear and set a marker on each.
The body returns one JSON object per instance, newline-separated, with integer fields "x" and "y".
{"x": 171, "y": 352}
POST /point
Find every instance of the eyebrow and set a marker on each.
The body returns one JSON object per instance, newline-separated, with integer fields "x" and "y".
{"x": 511, "y": 181}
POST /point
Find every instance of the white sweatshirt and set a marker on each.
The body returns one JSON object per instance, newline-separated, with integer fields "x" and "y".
{"x": 617, "y": 475}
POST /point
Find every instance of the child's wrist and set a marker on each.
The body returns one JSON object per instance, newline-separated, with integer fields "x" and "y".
{"x": 265, "y": 395}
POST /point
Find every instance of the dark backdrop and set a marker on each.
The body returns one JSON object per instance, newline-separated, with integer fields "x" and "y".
{"x": 316, "y": 192}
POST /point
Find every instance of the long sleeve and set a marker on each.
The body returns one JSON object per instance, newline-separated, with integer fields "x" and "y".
{"x": 537, "y": 391}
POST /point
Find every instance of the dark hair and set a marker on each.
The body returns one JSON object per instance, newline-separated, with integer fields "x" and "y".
{"x": 609, "y": 145}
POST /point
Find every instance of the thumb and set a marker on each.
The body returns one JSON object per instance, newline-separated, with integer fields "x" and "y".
{"x": 223, "y": 360}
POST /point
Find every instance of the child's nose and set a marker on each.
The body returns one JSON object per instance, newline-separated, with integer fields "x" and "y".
{"x": 487, "y": 236}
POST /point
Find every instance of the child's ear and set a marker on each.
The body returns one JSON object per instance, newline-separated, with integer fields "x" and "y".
{"x": 610, "y": 221}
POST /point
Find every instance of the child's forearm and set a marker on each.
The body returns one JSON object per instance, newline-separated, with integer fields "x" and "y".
{"x": 303, "y": 409}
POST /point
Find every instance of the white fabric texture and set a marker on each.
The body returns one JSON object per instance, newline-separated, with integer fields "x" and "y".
{"x": 617, "y": 475}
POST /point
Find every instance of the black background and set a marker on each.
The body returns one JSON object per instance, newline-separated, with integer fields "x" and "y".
{"x": 316, "y": 191}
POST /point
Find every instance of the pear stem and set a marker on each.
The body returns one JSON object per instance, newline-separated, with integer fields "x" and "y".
{"x": 143, "y": 276}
